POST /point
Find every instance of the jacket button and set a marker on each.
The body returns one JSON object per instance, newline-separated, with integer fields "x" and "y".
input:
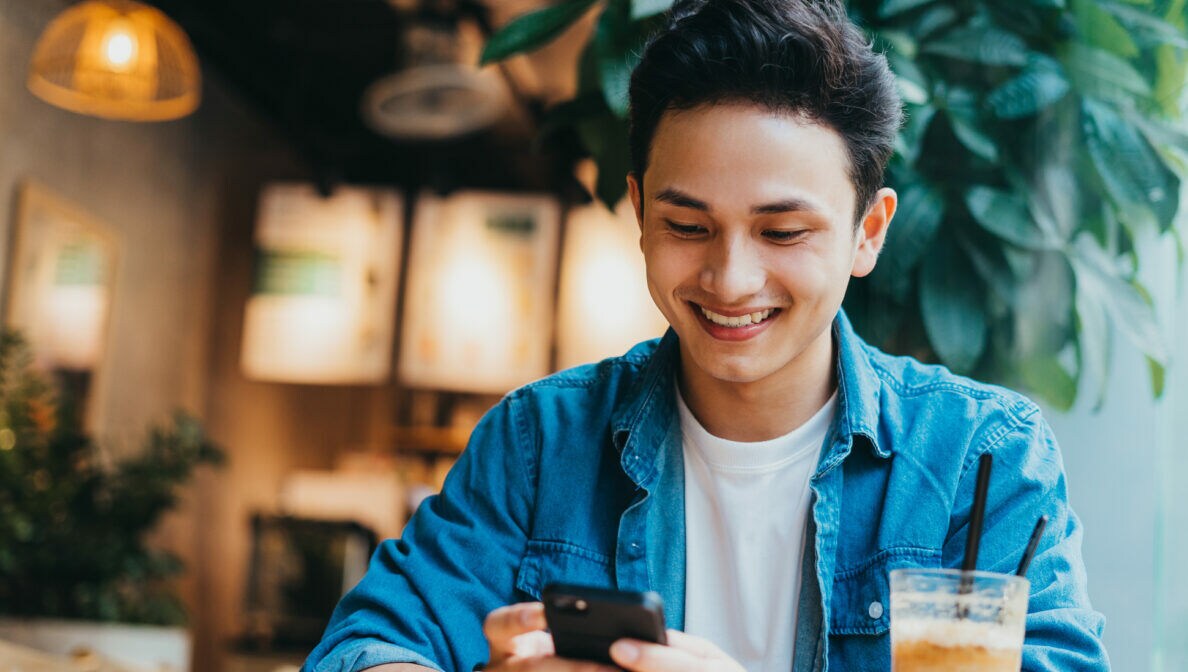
{"x": 875, "y": 610}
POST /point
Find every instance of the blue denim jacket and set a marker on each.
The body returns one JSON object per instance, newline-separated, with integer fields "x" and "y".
{"x": 579, "y": 478}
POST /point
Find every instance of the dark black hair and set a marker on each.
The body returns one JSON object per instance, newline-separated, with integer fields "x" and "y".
{"x": 800, "y": 57}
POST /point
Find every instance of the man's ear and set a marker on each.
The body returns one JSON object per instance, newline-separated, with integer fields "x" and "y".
{"x": 634, "y": 191}
{"x": 872, "y": 233}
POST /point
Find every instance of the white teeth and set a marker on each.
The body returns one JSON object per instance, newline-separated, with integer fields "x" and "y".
{"x": 740, "y": 321}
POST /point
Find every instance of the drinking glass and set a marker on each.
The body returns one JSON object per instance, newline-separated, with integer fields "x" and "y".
{"x": 954, "y": 621}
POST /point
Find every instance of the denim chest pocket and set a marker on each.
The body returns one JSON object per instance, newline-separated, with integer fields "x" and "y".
{"x": 861, "y": 600}
{"x": 546, "y": 562}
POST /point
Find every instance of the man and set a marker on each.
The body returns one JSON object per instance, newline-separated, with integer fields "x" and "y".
{"x": 760, "y": 466}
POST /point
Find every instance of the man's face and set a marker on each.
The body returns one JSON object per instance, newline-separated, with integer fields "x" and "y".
{"x": 747, "y": 229}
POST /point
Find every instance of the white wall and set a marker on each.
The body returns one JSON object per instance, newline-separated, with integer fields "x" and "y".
{"x": 1120, "y": 460}
{"x": 163, "y": 188}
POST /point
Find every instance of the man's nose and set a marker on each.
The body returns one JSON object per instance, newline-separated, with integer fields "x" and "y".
{"x": 733, "y": 271}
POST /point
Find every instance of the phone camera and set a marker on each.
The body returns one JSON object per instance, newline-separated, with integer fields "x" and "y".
{"x": 571, "y": 604}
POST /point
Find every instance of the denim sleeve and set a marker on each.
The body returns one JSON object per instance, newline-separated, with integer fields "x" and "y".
{"x": 425, "y": 595}
{"x": 1027, "y": 481}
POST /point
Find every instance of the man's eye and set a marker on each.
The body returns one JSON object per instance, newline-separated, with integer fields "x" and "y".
{"x": 782, "y": 236}
{"x": 685, "y": 229}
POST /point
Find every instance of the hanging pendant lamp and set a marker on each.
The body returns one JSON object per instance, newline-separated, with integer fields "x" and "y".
{"x": 116, "y": 59}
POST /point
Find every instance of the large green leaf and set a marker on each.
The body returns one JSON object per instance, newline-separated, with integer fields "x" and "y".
{"x": 1053, "y": 189}
{"x": 1158, "y": 377}
{"x": 951, "y": 300}
{"x": 642, "y": 9}
{"x": 910, "y": 140}
{"x": 889, "y": 8}
{"x": 1148, "y": 29}
{"x": 1131, "y": 170}
{"x": 971, "y": 136}
{"x": 1102, "y": 29}
{"x": 875, "y": 316}
{"x": 995, "y": 270}
{"x": 899, "y": 42}
{"x": 1005, "y": 215}
{"x": 934, "y": 18}
{"x": 1103, "y": 75}
{"x": 605, "y": 136}
{"x": 1044, "y": 309}
{"x": 911, "y": 81}
{"x": 985, "y": 45}
{"x": 1094, "y": 341}
{"x": 615, "y": 46}
{"x": 1127, "y": 307}
{"x": 912, "y": 230}
{"x": 1048, "y": 379}
{"x": 568, "y": 114}
{"x": 532, "y": 30}
{"x": 1038, "y": 86}
{"x": 1160, "y": 134}
{"x": 1171, "y": 78}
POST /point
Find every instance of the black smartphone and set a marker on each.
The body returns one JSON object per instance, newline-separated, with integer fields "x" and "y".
{"x": 585, "y": 621}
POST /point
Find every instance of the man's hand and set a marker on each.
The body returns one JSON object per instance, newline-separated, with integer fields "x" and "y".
{"x": 684, "y": 653}
{"x": 518, "y": 642}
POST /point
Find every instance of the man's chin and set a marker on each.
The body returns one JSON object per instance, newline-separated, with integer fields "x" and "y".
{"x": 738, "y": 371}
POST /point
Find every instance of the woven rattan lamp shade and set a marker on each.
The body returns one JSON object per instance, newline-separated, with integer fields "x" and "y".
{"x": 116, "y": 59}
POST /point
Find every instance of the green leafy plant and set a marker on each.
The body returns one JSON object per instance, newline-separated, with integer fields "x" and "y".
{"x": 72, "y": 528}
{"x": 1042, "y": 148}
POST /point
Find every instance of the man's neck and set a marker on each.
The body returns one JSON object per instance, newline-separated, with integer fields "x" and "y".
{"x": 767, "y": 408}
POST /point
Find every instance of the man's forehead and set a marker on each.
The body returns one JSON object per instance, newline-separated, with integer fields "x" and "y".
{"x": 754, "y": 131}
{"x": 747, "y": 157}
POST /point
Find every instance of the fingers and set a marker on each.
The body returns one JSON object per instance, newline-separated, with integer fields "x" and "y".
{"x": 505, "y": 624}
{"x": 535, "y": 643}
{"x": 684, "y": 654}
{"x": 550, "y": 664}
{"x": 644, "y": 657}
{"x": 702, "y": 648}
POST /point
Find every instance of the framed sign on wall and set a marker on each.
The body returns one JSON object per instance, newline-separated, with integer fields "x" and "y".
{"x": 61, "y": 281}
{"x": 478, "y": 314}
{"x": 323, "y": 303}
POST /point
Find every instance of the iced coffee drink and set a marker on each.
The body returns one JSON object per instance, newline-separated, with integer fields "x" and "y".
{"x": 946, "y": 620}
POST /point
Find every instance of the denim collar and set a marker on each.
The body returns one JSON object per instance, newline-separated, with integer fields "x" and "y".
{"x": 643, "y": 417}
{"x": 858, "y": 389}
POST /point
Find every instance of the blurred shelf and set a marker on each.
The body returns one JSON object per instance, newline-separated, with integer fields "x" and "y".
{"x": 427, "y": 441}
{"x": 241, "y": 661}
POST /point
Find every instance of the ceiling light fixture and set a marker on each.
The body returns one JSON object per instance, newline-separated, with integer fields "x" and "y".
{"x": 440, "y": 94}
{"x": 116, "y": 59}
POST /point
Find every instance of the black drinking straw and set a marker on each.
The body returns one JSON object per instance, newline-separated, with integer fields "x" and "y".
{"x": 1032, "y": 544}
{"x": 976, "y": 515}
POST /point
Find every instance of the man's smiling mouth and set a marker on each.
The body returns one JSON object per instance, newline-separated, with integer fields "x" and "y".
{"x": 734, "y": 322}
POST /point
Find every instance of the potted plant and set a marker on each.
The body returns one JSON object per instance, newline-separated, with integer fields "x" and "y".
{"x": 75, "y": 569}
{"x": 1043, "y": 146}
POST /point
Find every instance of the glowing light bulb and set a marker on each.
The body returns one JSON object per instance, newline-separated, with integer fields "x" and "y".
{"x": 119, "y": 46}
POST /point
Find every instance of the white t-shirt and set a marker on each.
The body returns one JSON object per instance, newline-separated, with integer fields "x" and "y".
{"x": 746, "y": 509}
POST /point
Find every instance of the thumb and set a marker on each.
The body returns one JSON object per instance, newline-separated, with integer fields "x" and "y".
{"x": 504, "y": 626}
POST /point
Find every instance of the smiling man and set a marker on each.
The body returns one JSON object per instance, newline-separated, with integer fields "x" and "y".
{"x": 759, "y": 466}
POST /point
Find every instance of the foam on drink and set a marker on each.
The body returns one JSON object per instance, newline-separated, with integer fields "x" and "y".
{"x": 931, "y": 645}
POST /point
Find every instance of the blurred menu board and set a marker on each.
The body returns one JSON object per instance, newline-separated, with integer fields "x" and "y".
{"x": 323, "y": 301}
{"x": 478, "y": 311}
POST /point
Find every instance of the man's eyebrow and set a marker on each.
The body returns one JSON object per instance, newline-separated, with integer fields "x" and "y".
{"x": 681, "y": 199}
{"x": 785, "y": 205}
